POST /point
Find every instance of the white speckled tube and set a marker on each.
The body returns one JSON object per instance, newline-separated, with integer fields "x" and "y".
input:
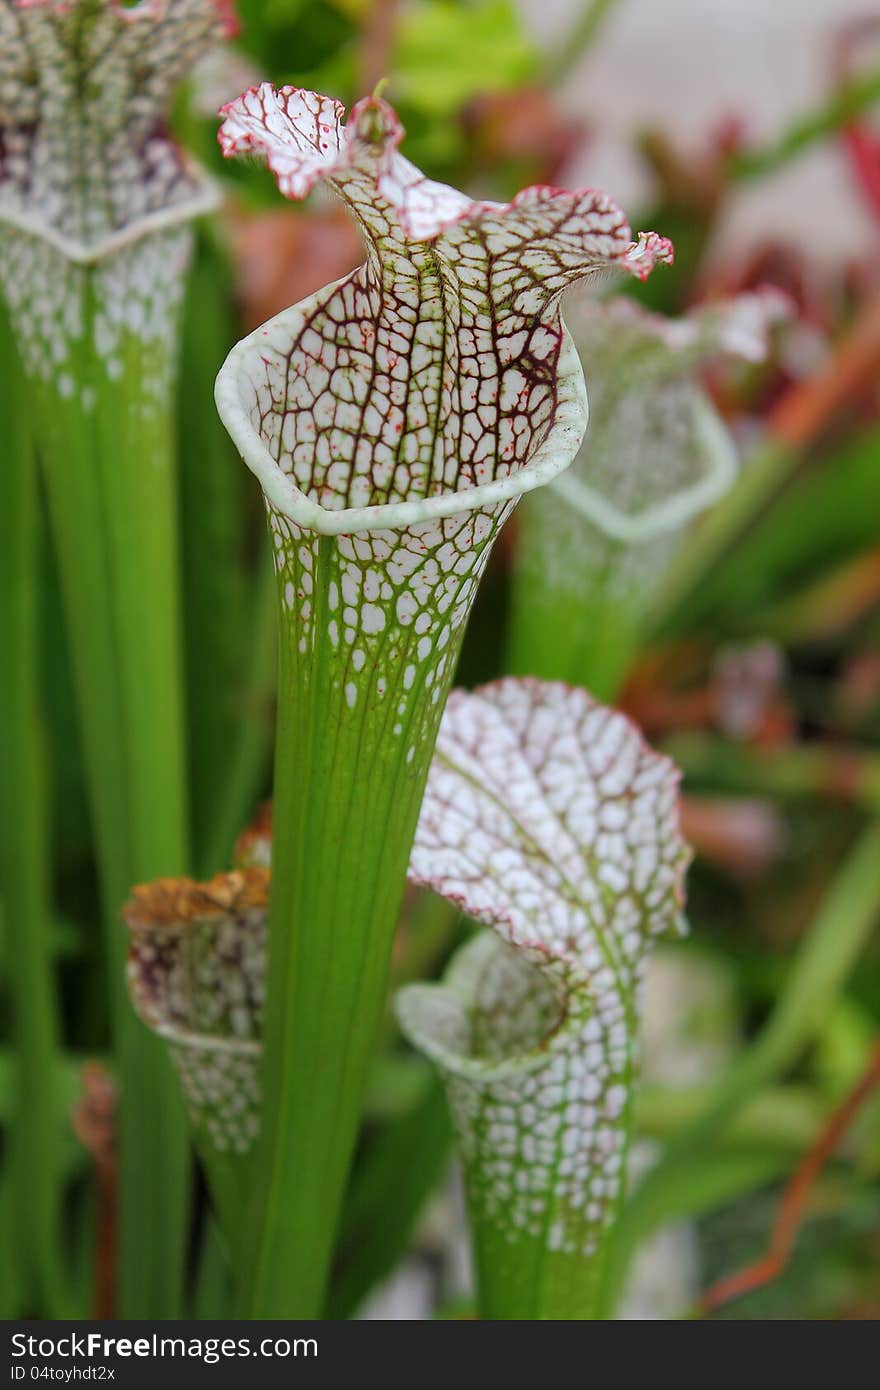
{"x": 547, "y": 818}
{"x": 96, "y": 203}
{"x": 392, "y": 420}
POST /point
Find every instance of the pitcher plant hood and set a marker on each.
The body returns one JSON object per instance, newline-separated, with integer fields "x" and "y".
{"x": 594, "y": 548}
{"x": 438, "y": 376}
{"x": 86, "y": 157}
{"x": 657, "y": 453}
{"x": 197, "y": 977}
{"x": 392, "y": 419}
{"x": 547, "y": 818}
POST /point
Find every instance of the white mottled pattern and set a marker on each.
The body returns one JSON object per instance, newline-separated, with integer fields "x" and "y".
{"x": 197, "y": 977}
{"x": 390, "y": 605}
{"x": 655, "y": 457}
{"x": 651, "y": 461}
{"x": 84, "y": 89}
{"x": 95, "y": 197}
{"x": 549, "y": 819}
{"x": 61, "y": 310}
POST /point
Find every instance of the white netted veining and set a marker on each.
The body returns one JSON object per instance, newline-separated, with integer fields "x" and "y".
{"x": 547, "y": 818}
{"x": 432, "y": 369}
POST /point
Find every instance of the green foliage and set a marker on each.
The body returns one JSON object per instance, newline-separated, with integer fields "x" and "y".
{"x": 85, "y": 766}
{"x": 446, "y": 53}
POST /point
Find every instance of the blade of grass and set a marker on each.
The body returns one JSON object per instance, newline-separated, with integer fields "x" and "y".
{"x": 824, "y": 960}
{"x": 67, "y": 1084}
{"x": 583, "y": 33}
{"x": 785, "y": 1117}
{"x": 850, "y": 100}
{"x": 825, "y": 608}
{"x": 213, "y": 1295}
{"x": 680, "y": 599}
{"x": 391, "y": 1185}
{"x": 12, "y": 1298}
{"x": 107, "y": 455}
{"x": 35, "y": 1176}
{"x": 792, "y": 1207}
{"x": 802, "y": 770}
{"x": 246, "y": 766}
{"x": 212, "y": 507}
{"x": 826, "y": 517}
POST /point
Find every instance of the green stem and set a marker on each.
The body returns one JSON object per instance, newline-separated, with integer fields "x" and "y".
{"x": 827, "y": 771}
{"x": 574, "y": 615}
{"x": 824, "y": 960}
{"x": 543, "y": 1193}
{"x": 534, "y": 1284}
{"x": 357, "y": 722}
{"x": 213, "y": 513}
{"x": 850, "y": 101}
{"x": 104, "y": 432}
{"x": 577, "y": 42}
{"x": 245, "y": 767}
{"x": 779, "y": 1117}
{"x": 525, "y": 1278}
{"x": 35, "y": 1170}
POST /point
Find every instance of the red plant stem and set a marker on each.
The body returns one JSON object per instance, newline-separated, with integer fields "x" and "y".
{"x": 863, "y": 148}
{"x": 793, "y": 1204}
{"x": 94, "y": 1123}
{"x": 807, "y": 409}
{"x": 860, "y": 141}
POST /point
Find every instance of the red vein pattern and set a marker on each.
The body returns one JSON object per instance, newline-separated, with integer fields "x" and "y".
{"x": 407, "y": 406}
{"x": 431, "y": 369}
{"x": 392, "y": 419}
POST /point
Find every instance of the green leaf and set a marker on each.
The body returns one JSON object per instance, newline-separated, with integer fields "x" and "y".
{"x": 33, "y": 1189}
{"x": 446, "y": 54}
{"x": 392, "y": 1182}
{"x": 823, "y": 962}
{"x": 391, "y": 444}
{"x": 827, "y": 516}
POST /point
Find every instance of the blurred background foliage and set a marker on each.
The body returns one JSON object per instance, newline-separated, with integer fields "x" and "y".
{"x": 758, "y": 670}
